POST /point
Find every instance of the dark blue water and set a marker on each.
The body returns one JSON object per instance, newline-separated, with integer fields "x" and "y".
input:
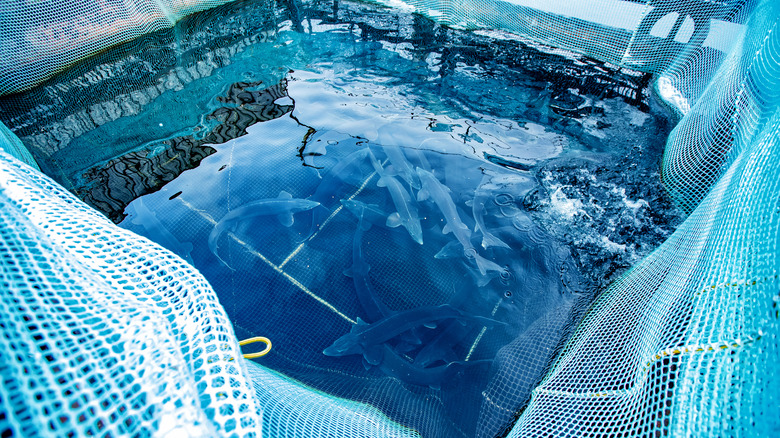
{"x": 380, "y": 164}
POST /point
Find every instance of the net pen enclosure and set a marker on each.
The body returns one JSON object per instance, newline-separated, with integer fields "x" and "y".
{"x": 424, "y": 218}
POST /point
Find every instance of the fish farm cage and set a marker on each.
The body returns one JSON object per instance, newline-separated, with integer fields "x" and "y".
{"x": 436, "y": 218}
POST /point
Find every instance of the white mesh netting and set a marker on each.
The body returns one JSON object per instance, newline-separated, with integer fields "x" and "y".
{"x": 43, "y": 37}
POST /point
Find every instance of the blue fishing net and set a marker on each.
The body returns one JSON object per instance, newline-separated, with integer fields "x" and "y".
{"x": 444, "y": 233}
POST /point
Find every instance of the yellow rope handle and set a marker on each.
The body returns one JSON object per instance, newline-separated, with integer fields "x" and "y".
{"x": 262, "y": 339}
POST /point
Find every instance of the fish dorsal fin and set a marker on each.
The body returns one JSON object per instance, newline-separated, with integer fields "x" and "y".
{"x": 284, "y": 195}
{"x": 349, "y": 272}
{"x": 394, "y": 220}
{"x": 430, "y": 325}
{"x": 382, "y": 182}
{"x": 470, "y": 203}
{"x": 422, "y": 195}
{"x": 286, "y": 219}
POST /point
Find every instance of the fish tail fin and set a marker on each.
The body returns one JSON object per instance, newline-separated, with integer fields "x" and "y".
{"x": 319, "y": 215}
{"x": 450, "y": 250}
{"x": 481, "y": 264}
{"x": 213, "y": 238}
{"x": 491, "y": 241}
{"x": 223, "y": 261}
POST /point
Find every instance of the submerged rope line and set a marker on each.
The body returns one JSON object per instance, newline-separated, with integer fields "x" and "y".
{"x": 329, "y": 218}
{"x": 290, "y": 278}
{"x": 481, "y": 333}
{"x": 276, "y": 268}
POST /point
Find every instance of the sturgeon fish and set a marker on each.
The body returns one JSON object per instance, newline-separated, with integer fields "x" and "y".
{"x": 401, "y": 165}
{"x": 406, "y": 214}
{"x": 478, "y": 211}
{"x": 374, "y": 308}
{"x": 392, "y": 364}
{"x": 440, "y": 194}
{"x": 283, "y": 207}
{"x": 367, "y": 339}
{"x": 337, "y": 181}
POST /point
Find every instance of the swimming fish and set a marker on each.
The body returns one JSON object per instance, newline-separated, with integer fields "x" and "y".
{"x": 401, "y": 165}
{"x": 367, "y": 339}
{"x": 367, "y": 214}
{"x": 392, "y": 364}
{"x": 440, "y": 194}
{"x": 406, "y": 214}
{"x": 156, "y": 231}
{"x": 284, "y": 206}
{"x": 418, "y": 156}
{"x": 440, "y": 348}
{"x": 374, "y": 308}
{"x": 478, "y": 211}
{"x": 343, "y": 176}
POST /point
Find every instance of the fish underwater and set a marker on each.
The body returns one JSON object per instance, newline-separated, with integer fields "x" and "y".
{"x": 347, "y": 174}
{"x": 367, "y": 339}
{"x": 374, "y": 308}
{"x": 392, "y": 364}
{"x": 283, "y": 207}
{"x": 440, "y": 194}
{"x": 440, "y": 348}
{"x": 478, "y": 211}
{"x": 401, "y": 166}
{"x": 406, "y": 214}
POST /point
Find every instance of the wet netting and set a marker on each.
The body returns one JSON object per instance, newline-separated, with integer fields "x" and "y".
{"x": 472, "y": 219}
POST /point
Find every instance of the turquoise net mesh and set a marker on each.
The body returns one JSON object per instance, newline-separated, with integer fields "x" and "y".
{"x": 107, "y": 333}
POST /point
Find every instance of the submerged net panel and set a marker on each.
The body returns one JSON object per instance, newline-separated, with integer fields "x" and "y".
{"x": 134, "y": 340}
{"x": 105, "y": 333}
{"x": 687, "y": 342}
{"x": 43, "y": 37}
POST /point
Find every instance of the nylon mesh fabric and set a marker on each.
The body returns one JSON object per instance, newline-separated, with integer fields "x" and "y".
{"x": 42, "y": 38}
{"x": 107, "y": 333}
